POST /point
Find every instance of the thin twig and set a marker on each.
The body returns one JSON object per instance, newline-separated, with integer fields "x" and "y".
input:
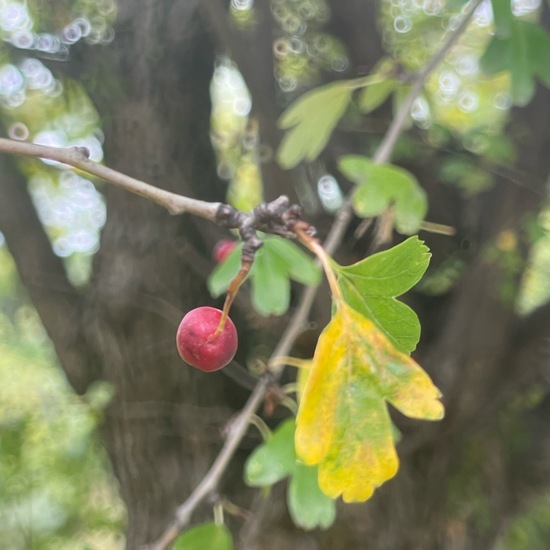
{"x": 77, "y": 157}
{"x": 300, "y": 316}
{"x": 210, "y": 481}
{"x": 386, "y": 148}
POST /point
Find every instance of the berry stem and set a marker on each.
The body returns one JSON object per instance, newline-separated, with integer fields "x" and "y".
{"x": 291, "y": 362}
{"x": 232, "y": 290}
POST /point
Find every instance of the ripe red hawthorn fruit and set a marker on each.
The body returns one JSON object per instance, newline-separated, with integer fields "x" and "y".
{"x": 222, "y": 249}
{"x": 196, "y": 342}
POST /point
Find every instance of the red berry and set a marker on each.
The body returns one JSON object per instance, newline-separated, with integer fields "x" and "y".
{"x": 196, "y": 344}
{"x": 222, "y": 249}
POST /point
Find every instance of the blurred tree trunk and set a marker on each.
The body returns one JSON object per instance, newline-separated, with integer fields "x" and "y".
{"x": 162, "y": 427}
{"x": 460, "y": 480}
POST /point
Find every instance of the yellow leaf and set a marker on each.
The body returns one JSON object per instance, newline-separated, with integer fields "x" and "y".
{"x": 343, "y": 424}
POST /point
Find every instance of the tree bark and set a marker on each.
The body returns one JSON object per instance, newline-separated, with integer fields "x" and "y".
{"x": 162, "y": 429}
{"x": 460, "y": 480}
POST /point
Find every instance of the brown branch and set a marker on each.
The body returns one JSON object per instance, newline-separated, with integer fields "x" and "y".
{"x": 77, "y": 157}
{"x": 43, "y": 275}
{"x": 271, "y": 217}
{"x": 210, "y": 481}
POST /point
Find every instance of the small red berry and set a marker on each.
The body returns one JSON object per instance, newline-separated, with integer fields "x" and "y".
{"x": 222, "y": 249}
{"x": 196, "y": 343}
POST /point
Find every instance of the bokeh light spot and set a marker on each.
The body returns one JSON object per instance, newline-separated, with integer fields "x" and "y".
{"x": 18, "y": 131}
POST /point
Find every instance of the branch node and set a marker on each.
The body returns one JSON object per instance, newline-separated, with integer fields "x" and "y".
{"x": 227, "y": 216}
{"x": 83, "y": 152}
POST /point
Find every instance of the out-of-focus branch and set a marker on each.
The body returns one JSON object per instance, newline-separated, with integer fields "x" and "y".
{"x": 210, "y": 481}
{"x": 383, "y": 154}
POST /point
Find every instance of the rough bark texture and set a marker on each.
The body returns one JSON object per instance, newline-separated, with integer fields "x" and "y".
{"x": 460, "y": 480}
{"x": 160, "y": 428}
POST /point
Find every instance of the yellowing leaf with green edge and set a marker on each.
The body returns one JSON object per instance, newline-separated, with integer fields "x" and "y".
{"x": 343, "y": 424}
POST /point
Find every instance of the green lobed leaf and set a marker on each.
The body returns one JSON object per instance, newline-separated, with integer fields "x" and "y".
{"x": 270, "y": 284}
{"x": 521, "y": 49}
{"x": 207, "y": 535}
{"x": 502, "y": 16}
{"x": 308, "y": 506}
{"x": 497, "y": 57}
{"x": 538, "y": 44}
{"x": 523, "y": 83}
{"x": 276, "y": 262}
{"x": 373, "y": 95}
{"x": 299, "y": 265}
{"x": 273, "y": 460}
{"x": 378, "y": 85}
{"x": 309, "y": 122}
{"x": 371, "y": 286}
{"x": 381, "y": 186}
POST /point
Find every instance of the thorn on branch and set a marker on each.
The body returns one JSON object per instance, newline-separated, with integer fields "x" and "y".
{"x": 277, "y": 217}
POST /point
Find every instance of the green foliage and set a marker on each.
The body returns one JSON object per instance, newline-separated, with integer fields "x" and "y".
{"x": 535, "y": 290}
{"x": 531, "y": 529}
{"x": 276, "y": 460}
{"x": 371, "y": 285}
{"x": 378, "y": 86}
{"x": 444, "y": 277}
{"x": 206, "y": 536}
{"x": 276, "y": 263}
{"x": 371, "y": 97}
{"x": 234, "y": 137}
{"x": 53, "y": 477}
{"x": 520, "y": 47}
{"x": 61, "y": 479}
{"x": 381, "y": 186}
{"x": 308, "y": 506}
{"x": 273, "y": 460}
{"x": 310, "y": 121}
{"x": 502, "y": 16}
{"x": 468, "y": 176}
